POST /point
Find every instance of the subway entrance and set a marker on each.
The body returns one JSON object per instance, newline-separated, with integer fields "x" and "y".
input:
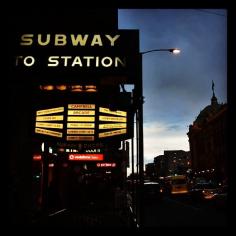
{"x": 73, "y": 120}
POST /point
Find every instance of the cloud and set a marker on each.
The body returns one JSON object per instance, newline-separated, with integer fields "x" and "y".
{"x": 162, "y": 136}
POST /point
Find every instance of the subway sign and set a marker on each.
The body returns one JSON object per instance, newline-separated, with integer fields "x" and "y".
{"x": 98, "y": 55}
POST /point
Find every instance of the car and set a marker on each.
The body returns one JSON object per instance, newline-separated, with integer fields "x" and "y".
{"x": 219, "y": 198}
{"x": 176, "y": 185}
{"x": 202, "y": 191}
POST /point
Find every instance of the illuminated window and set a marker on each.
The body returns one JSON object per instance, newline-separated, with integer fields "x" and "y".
{"x": 73, "y": 88}
{"x": 90, "y": 88}
{"x": 61, "y": 87}
{"x": 47, "y": 87}
{"x": 76, "y": 88}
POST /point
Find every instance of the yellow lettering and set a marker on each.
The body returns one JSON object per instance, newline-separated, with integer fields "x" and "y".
{"x": 106, "y": 61}
{"x": 112, "y": 40}
{"x": 53, "y": 60}
{"x": 97, "y": 61}
{"x": 77, "y": 61}
{"x": 88, "y": 60}
{"x": 119, "y": 61}
{"x": 79, "y": 39}
{"x": 43, "y": 43}
{"x": 96, "y": 40}
{"x": 27, "y": 39}
{"x": 60, "y": 40}
{"x": 29, "y": 62}
{"x": 65, "y": 59}
{"x": 17, "y": 59}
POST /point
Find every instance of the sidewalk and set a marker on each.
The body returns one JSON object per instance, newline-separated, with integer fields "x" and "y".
{"x": 93, "y": 216}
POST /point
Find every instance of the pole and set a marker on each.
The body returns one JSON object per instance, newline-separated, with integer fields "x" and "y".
{"x": 132, "y": 173}
{"x": 44, "y": 189}
{"x": 140, "y": 142}
{"x": 137, "y": 146}
{"x": 140, "y": 156}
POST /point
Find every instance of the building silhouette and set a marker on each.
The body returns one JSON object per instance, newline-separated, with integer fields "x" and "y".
{"x": 171, "y": 163}
{"x": 207, "y": 140}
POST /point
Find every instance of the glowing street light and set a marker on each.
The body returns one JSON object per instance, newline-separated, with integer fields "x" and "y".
{"x": 171, "y": 50}
{"x": 176, "y": 51}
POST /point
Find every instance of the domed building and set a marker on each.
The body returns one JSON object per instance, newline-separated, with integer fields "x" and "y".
{"x": 207, "y": 140}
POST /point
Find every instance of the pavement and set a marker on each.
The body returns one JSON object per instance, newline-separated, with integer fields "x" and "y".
{"x": 90, "y": 216}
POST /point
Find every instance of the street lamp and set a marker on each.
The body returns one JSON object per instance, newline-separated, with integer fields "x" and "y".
{"x": 171, "y": 50}
{"x": 140, "y": 126}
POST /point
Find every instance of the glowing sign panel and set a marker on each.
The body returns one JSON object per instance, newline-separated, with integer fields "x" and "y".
{"x": 50, "y": 111}
{"x": 37, "y": 157}
{"x": 81, "y": 112}
{"x": 106, "y": 164}
{"x": 80, "y": 131}
{"x": 80, "y": 125}
{"x": 80, "y": 138}
{"x": 81, "y": 106}
{"x": 86, "y": 157}
{"x": 84, "y": 118}
{"x": 112, "y": 126}
{"x": 49, "y": 125}
{"x": 48, "y": 132}
{"x": 108, "y": 111}
{"x": 112, "y": 133}
{"x": 112, "y": 118}
{"x": 48, "y": 118}
{"x": 80, "y": 122}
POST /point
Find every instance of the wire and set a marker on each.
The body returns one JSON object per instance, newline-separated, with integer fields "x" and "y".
{"x": 210, "y": 12}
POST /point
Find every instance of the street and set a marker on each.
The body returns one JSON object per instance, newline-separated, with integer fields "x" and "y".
{"x": 181, "y": 211}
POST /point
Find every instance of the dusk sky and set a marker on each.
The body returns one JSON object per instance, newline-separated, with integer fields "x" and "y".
{"x": 177, "y": 87}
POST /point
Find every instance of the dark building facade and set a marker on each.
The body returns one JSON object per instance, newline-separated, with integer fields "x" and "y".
{"x": 171, "y": 163}
{"x": 160, "y": 165}
{"x": 178, "y": 162}
{"x": 150, "y": 171}
{"x": 207, "y": 140}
